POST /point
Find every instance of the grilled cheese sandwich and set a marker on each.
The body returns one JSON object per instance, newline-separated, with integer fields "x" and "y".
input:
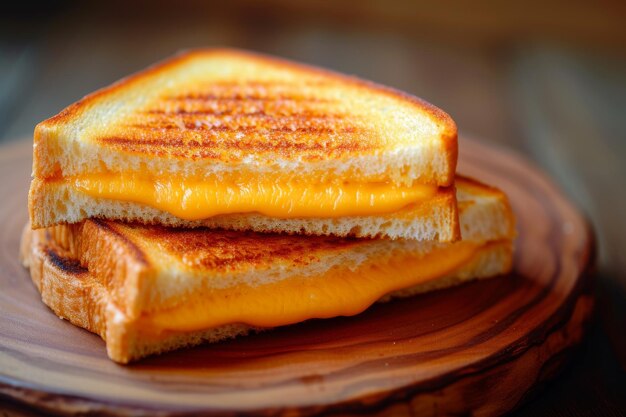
{"x": 221, "y": 192}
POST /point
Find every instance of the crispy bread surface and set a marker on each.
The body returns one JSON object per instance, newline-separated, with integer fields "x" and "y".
{"x": 215, "y": 111}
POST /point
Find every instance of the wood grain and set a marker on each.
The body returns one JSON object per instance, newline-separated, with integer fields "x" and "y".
{"x": 480, "y": 348}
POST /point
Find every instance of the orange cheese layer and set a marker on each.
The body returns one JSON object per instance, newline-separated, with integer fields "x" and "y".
{"x": 339, "y": 292}
{"x": 195, "y": 199}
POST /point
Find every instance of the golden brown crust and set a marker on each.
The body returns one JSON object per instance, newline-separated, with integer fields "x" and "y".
{"x": 201, "y": 250}
{"x": 70, "y": 112}
{"x": 224, "y": 250}
{"x": 316, "y": 115}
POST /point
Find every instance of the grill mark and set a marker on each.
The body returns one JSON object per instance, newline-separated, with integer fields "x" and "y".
{"x": 245, "y": 118}
{"x": 240, "y": 113}
{"x": 249, "y": 98}
{"x": 268, "y": 84}
{"x": 245, "y": 129}
{"x": 176, "y": 143}
{"x": 69, "y": 266}
{"x": 128, "y": 243}
{"x": 227, "y": 250}
{"x": 259, "y": 120}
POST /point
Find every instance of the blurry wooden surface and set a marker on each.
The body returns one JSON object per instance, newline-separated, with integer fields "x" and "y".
{"x": 545, "y": 78}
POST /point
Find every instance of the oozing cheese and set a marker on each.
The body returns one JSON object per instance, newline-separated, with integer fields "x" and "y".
{"x": 195, "y": 200}
{"x": 339, "y": 292}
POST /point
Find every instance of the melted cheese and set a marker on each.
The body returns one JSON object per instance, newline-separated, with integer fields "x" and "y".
{"x": 195, "y": 200}
{"x": 339, "y": 292}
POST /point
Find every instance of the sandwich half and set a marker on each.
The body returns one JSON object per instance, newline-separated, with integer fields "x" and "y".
{"x": 230, "y": 139}
{"x": 151, "y": 289}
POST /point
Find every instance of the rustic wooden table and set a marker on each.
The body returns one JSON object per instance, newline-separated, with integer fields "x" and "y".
{"x": 556, "y": 93}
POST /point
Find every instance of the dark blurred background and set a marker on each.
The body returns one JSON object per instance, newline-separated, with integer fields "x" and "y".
{"x": 546, "y": 78}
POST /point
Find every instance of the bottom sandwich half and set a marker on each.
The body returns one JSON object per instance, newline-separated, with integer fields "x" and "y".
{"x": 151, "y": 289}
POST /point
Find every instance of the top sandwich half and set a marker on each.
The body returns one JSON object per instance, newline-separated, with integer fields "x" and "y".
{"x": 237, "y": 140}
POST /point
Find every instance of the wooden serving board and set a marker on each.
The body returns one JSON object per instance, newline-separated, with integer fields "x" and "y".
{"x": 479, "y": 348}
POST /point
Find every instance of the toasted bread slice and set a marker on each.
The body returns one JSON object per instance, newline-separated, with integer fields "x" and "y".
{"x": 230, "y": 117}
{"x": 167, "y": 288}
{"x": 211, "y": 112}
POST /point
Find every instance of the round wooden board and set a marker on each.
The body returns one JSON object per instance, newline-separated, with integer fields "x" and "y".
{"x": 479, "y": 348}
